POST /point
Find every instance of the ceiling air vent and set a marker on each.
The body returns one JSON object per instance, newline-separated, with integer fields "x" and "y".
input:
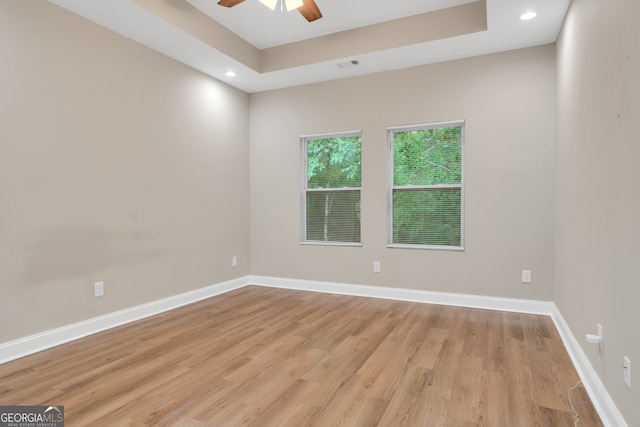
{"x": 348, "y": 64}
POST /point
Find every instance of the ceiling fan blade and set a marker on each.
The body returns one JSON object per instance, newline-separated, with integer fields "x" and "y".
{"x": 229, "y": 3}
{"x": 310, "y": 10}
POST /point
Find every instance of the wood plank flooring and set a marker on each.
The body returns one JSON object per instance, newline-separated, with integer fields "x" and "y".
{"x": 271, "y": 357}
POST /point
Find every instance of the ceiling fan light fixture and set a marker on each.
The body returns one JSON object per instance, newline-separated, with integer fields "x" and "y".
{"x": 293, "y": 4}
{"x": 271, "y": 4}
{"x": 307, "y": 8}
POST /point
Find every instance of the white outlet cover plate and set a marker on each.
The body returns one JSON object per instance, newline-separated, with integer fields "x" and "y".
{"x": 376, "y": 266}
{"x": 98, "y": 289}
{"x": 627, "y": 371}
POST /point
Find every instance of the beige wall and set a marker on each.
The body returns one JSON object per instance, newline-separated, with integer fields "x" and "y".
{"x": 116, "y": 164}
{"x": 597, "y": 260}
{"x": 507, "y": 101}
{"x": 121, "y": 165}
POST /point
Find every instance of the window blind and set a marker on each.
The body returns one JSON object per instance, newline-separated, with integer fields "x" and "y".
{"x": 331, "y": 183}
{"x": 426, "y": 193}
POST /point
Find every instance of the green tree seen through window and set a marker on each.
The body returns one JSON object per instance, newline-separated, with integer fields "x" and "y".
{"x": 333, "y": 189}
{"x": 427, "y": 187}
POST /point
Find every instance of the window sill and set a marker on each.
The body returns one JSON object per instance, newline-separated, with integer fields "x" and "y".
{"x": 427, "y": 247}
{"x": 347, "y": 244}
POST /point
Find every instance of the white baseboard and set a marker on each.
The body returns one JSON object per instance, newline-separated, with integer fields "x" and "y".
{"x": 413, "y": 295}
{"x": 604, "y": 405}
{"x": 602, "y": 402}
{"x": 15, "y": 349}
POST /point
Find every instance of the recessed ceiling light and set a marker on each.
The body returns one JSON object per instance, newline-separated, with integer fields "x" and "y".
{"x": 529, "y": 14}
{"x": 230, "y": 74}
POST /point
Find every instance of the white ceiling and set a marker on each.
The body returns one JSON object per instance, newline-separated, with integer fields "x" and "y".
{"x": 264, "y": 28}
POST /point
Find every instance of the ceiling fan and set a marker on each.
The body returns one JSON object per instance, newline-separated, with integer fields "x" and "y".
{"x": 307, "y": 8}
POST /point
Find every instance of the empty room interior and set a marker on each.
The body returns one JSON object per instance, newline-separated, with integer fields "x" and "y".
{"x": 356, "y": 213}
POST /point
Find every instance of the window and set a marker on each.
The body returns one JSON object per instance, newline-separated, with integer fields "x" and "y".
{"x": 426, "y": 193}
{"x": 331, "y": 180}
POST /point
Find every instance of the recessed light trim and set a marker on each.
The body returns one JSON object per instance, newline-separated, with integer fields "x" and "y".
{"x": 230, "y": 74}
{"x": 528, "y": 15}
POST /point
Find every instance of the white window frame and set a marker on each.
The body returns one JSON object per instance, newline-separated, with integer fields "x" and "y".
{"x": 304, "y": 189}
{"x": 391, "y": 185}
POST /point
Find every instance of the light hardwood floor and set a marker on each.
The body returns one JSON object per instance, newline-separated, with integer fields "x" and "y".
{"x": 271, "y": 357}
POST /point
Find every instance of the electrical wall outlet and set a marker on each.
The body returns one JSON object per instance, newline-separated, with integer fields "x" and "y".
{"x": 596, "y": 339}
{"x": 526, "y": 276}
{"x": 376, "y": 266}
{"x": 234, "y": 261}
{"x": 98, "y": 289}
{"x": 600, "y": 335}
{"x": 599, "y": 330}
{"x": 626, "y": 365}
